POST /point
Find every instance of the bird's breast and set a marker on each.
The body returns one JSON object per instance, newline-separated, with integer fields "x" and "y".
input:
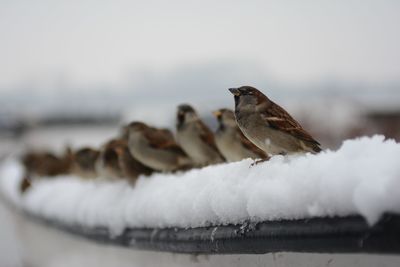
{"x": 199, "y": 151}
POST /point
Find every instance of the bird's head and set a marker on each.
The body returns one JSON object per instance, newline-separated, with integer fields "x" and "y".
{"x": 185, "y": 114}
{"x": 135, "y": 127}
{"x": 86, "y": 157}
{"x": 247, "y": 95}
{"x": 110, "y": 157}
{"x": 225, "y": 117}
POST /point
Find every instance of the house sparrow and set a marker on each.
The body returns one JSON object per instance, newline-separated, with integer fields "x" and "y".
{"x": 115, "y": 161}
{"x": 268, "y": 125}
{"x": 84, "y": 162}
{"x": 230, "y": 140}
{"x": 131, "y": 167}
{"x": 196, "y": 138}
{"x": 107, "y": 165}
{"x": 45, "y": 164}
{"x": 156, "y": 148}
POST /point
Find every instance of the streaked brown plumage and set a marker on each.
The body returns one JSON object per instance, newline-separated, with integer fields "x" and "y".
{"x": 115, "y": 161}
{"x": 196, "y": 139}
{"x": 46, "y": 163}
{"x": 156, "y": 148}
{"x": 131, "y": 167}
{"x": 230, "y": 140}
{"x": 268, "y": 125}
{"x": 84, "y": 162}
{"x": 108, "y": 162}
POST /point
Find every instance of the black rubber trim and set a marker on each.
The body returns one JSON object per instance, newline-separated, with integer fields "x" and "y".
{"x": 318, "y": 235}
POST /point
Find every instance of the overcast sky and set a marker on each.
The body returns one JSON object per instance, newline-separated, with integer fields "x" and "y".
{"x": 112, "y": 42}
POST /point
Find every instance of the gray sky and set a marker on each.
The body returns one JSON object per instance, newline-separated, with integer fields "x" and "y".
{"x": 113, "y": 42}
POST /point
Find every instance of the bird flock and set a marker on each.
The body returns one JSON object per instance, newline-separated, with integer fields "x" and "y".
{"x": 257, "y": 128}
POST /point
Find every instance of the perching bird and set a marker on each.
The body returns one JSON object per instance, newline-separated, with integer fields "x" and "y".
{"x": 84, "y": 162}
{"x": 230, "y": 140}
{"x": 115, "y": 161}
{"x": 268, "y": 125}
{"x": 131, "y": 167}
{"x": 45, "y": 164}
{"x": 156, "y": 148}
{"x": 107, "y": 165}
{"x": 196, "y": 138}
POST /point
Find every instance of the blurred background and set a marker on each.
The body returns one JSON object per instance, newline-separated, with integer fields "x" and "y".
{"x": 71, "y": 72}
{"x": 75, "y": 70}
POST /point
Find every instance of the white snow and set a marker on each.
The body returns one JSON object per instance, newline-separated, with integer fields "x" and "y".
{"x": 362, "y": 177}
{"x": 11, "y": 173}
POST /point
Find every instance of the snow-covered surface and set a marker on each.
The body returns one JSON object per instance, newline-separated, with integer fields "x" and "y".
{"x": 362, "y": 177}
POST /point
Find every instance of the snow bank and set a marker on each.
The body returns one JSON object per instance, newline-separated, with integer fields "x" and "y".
{"x": 11, "y": 174}
{"x": 362, "y": 177}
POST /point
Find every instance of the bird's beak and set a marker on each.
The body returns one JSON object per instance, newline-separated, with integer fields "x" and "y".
{"x": 234, "y": 91}
{"x": 217, "y": 113}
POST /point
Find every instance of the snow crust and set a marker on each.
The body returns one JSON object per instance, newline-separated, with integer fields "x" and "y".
{"x": 361, "y": 177}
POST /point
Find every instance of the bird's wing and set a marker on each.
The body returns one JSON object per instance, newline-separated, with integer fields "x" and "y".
{"x": 250, "y": 146}
{"x": 278, "y": 118}
{"x": 167, "y": 133}
{"x": 163, "y": 139}
{"x": 115, "y": 143}
{"x": 207, "y": 136}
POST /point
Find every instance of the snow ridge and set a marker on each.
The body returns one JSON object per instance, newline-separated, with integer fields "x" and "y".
{"x": 361, "y": 177}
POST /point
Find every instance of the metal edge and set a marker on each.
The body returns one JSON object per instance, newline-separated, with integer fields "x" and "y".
{"x": 349, "y": 234}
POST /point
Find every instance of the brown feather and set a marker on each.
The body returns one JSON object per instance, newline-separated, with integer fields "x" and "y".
{"x": 126, "y": 165}
{"x": 162, "y": 139}
{"x": 207, "y": 136}
{"x": 130, "y": 167}
{"x": 250, "y": 146}
{"x": 279, "y": 119}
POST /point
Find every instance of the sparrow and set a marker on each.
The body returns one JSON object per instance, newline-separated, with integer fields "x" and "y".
{"x": 115, "y": 161}
{"x": 131, "y": 167}
{"x": 230, "y": 140}
{"x": 156, "y": 148}
{"x": 84, "y": 162}
{"x": 269, "y": 126}
{"x": 196, "y": 139}
{"x": 45, "y": 164}
{"x": 107, "y": 165}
